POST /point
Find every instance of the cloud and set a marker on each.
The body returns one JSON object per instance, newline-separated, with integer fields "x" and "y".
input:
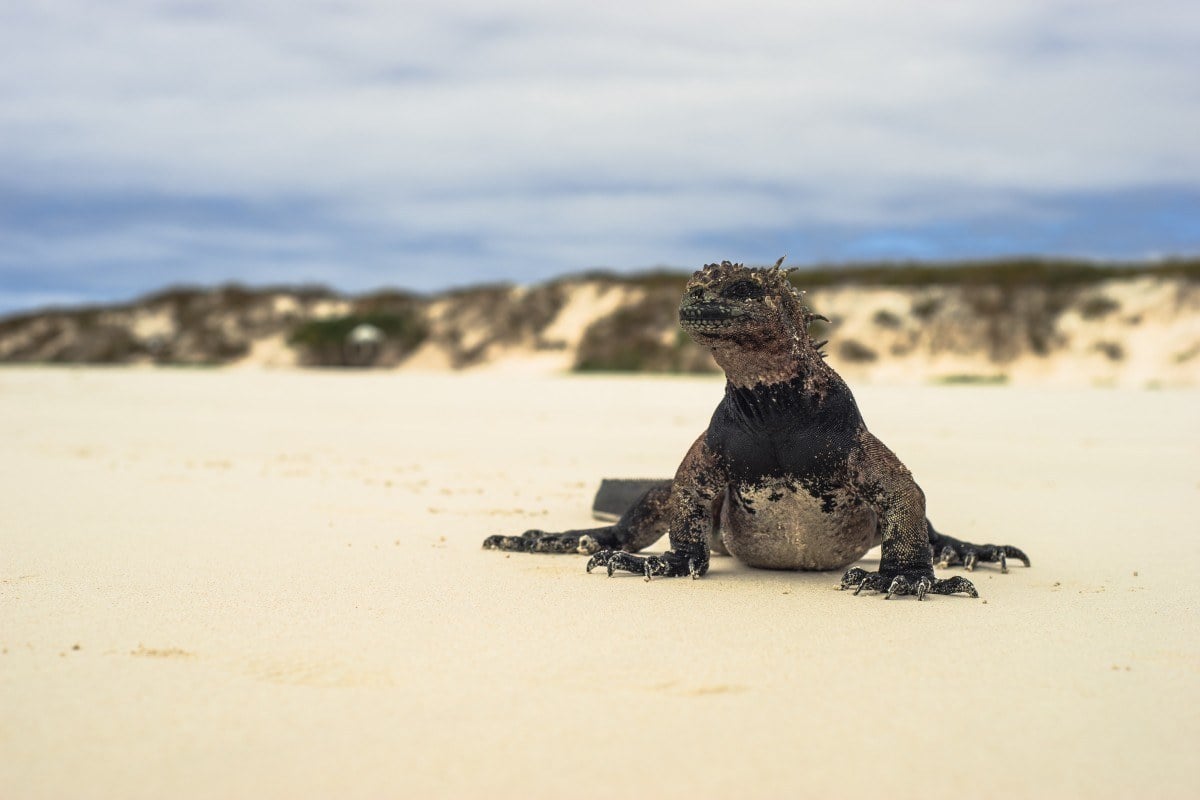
{"x": 370, "y": 142}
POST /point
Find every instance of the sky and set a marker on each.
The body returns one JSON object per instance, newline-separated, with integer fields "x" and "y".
{"x": 424, "y": 145}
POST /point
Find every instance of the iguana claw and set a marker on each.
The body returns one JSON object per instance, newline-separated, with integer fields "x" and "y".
{"x": 916, "y": 583}
{"x": 536, "y": 541}
{"x": 968, "y": 555}
{"x": 668, "y": 565}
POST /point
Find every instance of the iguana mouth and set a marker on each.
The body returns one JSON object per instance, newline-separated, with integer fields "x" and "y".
{"x": 708, "y": 316}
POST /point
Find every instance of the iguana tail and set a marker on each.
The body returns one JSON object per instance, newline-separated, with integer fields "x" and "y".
{"x": 617, "y": 495}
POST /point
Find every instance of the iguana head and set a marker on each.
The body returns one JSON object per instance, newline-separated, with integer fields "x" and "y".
{"x": 737, "y": 304}
{"x": 752, "y": 321}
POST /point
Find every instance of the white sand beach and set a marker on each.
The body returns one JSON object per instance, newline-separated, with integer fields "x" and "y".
{"x": 240, "y": 583}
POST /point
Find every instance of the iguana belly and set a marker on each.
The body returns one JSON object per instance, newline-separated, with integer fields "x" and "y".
{"x": 777, "y": 525}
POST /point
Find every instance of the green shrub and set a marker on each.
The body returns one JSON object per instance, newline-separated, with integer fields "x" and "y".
{"x": 886, "y": 319}
{"x": 972, "y": 379}
{"x": 1098, "y": 307}
{"x": 855, "y": 352}
{"x": 323, "y": 341}
{"x": 631, "y": 340}
{"x": 925, "y": 309}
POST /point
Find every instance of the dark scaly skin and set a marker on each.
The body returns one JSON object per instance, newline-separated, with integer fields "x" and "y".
{"x": 786, "y": 476}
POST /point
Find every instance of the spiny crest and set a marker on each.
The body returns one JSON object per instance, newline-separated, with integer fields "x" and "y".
{"x": 773, "y": 279}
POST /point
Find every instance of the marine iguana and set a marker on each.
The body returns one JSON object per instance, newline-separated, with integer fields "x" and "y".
{"x": 786, "y": 476}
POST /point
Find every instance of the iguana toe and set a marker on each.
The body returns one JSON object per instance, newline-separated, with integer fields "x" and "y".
{"x": 517, "y": 544}
{"x": 668, "y": 565}
{"x": 955, "y": 585}
{"x": 587, "y": 545}
{"x": 902, "y": 585}
{"x": 555, "y": 543}
{"x": 970, "y": 555}
{"x": 915, "y": 583}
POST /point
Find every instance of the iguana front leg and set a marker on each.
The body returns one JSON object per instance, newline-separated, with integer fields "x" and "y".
{"x": 701, "y": 479}
{"x": 906, "y": 564}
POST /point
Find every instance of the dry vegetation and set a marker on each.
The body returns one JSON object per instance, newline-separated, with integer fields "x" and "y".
{"x": 957, "y": 320}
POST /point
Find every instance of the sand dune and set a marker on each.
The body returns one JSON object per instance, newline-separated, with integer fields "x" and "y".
{"x": 1101, "y": 328}
{"x": 249, "y": 584}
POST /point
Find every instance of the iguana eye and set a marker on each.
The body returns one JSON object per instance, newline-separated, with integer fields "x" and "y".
{"x": 744, "y": 290}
